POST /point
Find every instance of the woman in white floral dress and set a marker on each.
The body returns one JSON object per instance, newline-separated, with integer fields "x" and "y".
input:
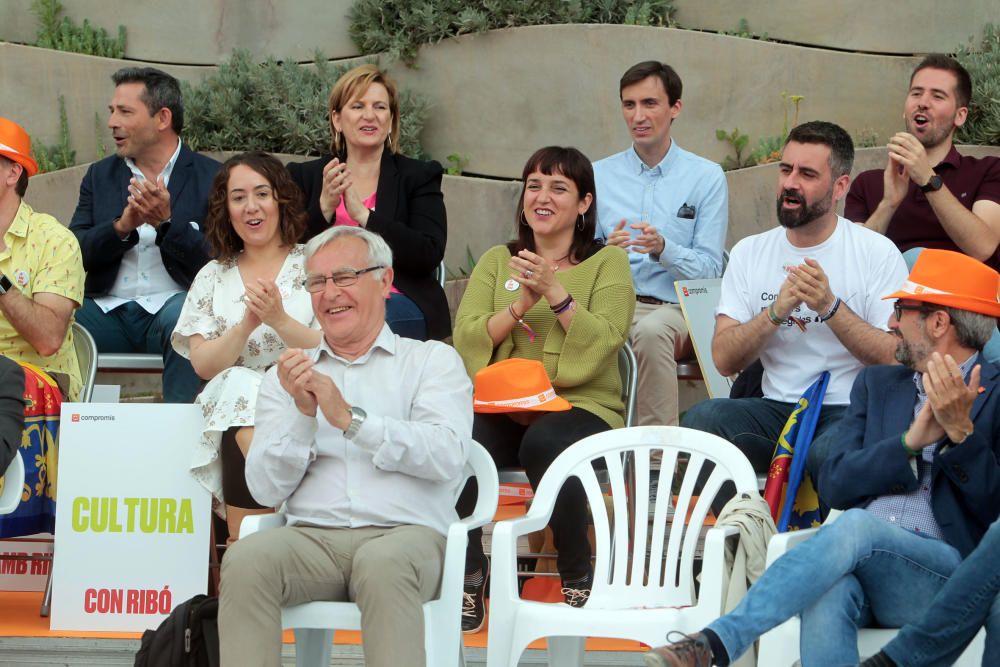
{"x": 243, "y": 310}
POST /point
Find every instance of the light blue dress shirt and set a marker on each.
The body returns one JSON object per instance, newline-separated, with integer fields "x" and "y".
{"x": 685, "y": 197}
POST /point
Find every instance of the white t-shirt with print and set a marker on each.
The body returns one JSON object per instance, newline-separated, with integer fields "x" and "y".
{"x": 862, "y": 267}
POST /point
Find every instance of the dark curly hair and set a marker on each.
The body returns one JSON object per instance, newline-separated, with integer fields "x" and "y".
{"x": 225, "y": 243}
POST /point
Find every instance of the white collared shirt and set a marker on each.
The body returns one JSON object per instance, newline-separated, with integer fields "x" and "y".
{"x": 142, "y": 277}
{"x": 402, "y": 467}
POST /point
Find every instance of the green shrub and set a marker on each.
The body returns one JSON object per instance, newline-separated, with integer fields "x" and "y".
{"x": 400, "y": 27}
{"x": 64, "y": 35}
{"x": 276, "y": 106}
{"x": 59, "y": 155}
{"x": 983, "y": 62}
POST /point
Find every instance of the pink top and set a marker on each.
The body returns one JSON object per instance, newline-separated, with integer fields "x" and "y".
{"x": 342, "y": 217}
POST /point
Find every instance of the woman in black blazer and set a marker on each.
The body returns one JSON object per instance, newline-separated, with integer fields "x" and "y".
{"x": 368, "y": 183}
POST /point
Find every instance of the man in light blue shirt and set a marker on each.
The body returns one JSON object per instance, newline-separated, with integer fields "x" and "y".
{"x": 669, "y": 209}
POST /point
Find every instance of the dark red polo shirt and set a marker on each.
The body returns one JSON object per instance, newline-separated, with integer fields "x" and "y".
{"x": 914, "y": 224}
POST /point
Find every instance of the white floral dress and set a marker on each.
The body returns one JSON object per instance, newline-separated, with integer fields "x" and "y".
{"x": 213, "y": 305}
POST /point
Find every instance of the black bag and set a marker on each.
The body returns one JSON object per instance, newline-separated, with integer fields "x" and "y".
{"x": 188, "y": 637}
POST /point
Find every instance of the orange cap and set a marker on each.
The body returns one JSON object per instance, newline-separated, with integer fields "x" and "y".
{"x": 516, "y": 385}
{"x": 15, "y": 145}
{"x": 947, "y": 278}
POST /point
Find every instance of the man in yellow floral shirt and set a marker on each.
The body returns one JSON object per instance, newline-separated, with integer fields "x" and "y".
{"x": 41, "y": 270}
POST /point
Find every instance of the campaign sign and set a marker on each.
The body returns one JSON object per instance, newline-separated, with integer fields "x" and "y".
{"x": 132, "y": 525}
{"x": 25, "y": 575}
{"x": 699, "y": 299}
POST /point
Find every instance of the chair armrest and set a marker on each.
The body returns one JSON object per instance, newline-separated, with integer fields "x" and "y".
{"x": 258, "y": 522}
{"x": 783, "y": 542}
{"x": 713, "y": 583}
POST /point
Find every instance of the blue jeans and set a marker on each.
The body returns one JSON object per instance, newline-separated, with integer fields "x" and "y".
{"x": 753, "y": 425}
{"x": 404, "y": 317}
{"x": 129, "y": 328}
{"x": 855, "y": 572}
{"x": 969, "y": 600}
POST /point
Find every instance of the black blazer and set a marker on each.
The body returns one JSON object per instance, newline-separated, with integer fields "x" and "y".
{"x": 869, "y": 460}
{"x": 11, "y": 410}
{"x": 103, "y": 196}
{"x": 409, "y": 214}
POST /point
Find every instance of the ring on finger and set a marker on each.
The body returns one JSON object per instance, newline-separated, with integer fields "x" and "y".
{"x": 528, "y": 274}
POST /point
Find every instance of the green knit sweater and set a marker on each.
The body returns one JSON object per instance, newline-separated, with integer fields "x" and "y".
{"x": 582, "y": 363}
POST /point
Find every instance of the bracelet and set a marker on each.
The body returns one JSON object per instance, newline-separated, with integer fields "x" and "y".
{"x": 833, "y": 310}
{"x": 563, "y": 305}
{"x": 520, "y": 320}
{"x": 910, "y": 452}
{"x": 773, "y": 316}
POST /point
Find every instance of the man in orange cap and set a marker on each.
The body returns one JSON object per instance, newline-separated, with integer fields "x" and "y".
{"x": 41, "y": 271}
{"x": 917, "y": 471}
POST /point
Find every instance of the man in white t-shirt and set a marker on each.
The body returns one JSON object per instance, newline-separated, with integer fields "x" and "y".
{"x": 804, "y": 298}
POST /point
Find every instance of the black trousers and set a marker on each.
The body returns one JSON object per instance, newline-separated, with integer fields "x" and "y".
{"x": 533, "y": 448}
{"x": 234, "y": 479}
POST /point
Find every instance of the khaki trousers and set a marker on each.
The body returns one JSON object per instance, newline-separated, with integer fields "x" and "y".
{"x": 659, "y": 338}
{"x": 388, "y": 572}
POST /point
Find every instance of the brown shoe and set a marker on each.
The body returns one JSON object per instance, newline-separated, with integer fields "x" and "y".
{"x": 691, "y": 651}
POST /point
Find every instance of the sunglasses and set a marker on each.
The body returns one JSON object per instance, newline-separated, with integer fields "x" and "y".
{"x": 898, "y": 308}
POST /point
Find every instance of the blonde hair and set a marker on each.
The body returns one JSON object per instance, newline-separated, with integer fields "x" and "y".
{"x": 352, "y": 85}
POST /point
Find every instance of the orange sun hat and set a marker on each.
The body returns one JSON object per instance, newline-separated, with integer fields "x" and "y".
{"x": 948, "y": 278}
{"x": 516, "y": 385}
{"x": 15, "y": 145}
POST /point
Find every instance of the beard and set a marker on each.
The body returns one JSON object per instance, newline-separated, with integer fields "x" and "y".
{"x": 932, "y": 137}
{"x": 911, "y": 354}
{"x": 805, "y": 213}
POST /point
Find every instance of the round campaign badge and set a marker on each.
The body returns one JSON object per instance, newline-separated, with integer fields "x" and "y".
{"x": 511, "y": 285}
{"x": 21, "y": 278}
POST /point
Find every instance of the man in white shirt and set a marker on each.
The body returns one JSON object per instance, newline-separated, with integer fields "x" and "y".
{"x": 804, "y": 297}
{"x": 365, "y": 439}
{"x": 139, "y": 223}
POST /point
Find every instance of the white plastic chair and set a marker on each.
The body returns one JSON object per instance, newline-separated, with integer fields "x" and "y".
{"x": 13, "y": 485}
{"x": 625, "y": 602}
{"x": 86, "y": 355}
{"x": 780, "y": 646}
{"x": 315, "y": 622}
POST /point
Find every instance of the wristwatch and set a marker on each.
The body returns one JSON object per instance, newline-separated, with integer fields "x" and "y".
{"x": 933, "y": 184}
{"x": 357, "y": 419}
{"x": 5, "y": 284}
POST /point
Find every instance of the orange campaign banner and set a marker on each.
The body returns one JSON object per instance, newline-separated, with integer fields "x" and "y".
{"x": 132, "y": 526}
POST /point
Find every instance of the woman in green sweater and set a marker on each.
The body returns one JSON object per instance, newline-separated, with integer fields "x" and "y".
{"x": 558, "y": 296}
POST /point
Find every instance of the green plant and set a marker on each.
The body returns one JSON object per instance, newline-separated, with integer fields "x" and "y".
{"x": 768, "y": 150}
{"x": 64, "y": 35}
{"x": 743, "y": 31}
{"x": 462, "y": 271}
{"x": 867, "y": 138}
{"x": 276, "y": 106}
{"x": 983, "y": 62}
{"x": 738, "y": 142}
{"x": 59, "y": 155}
{"x": 456, "y": 163}
{"x": 400, "y": 27}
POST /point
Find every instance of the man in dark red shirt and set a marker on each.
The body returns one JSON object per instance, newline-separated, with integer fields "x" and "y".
{"x": 928, "y": 195}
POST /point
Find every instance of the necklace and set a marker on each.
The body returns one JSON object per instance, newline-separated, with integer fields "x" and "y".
{"x": 558, "y": 262}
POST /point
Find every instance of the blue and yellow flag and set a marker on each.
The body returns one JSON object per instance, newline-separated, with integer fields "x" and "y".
{"x": 39, "y": 450}
{"x": 787, "y": 476}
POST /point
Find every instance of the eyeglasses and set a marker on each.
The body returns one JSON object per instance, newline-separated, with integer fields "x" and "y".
{"x": 316, "y": 282}
{"x": 898, "y": 308}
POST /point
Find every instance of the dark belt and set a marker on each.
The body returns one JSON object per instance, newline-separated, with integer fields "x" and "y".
{"x": 652, "y": 300}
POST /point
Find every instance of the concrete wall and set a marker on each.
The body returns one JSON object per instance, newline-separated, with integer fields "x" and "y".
{"x": 32, "y": 79}
{"x": 889, "y": 26}
{"x": 207, "y": 29}
{"x": 498, "y": 96}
